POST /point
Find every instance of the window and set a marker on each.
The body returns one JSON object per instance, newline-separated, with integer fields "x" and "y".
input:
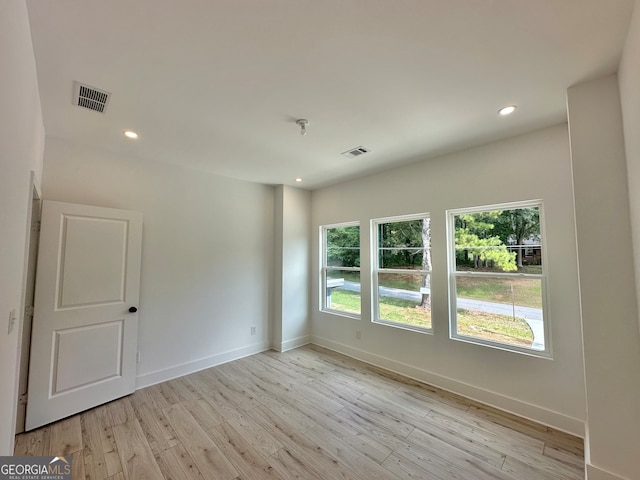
{"x": 341, "y": 269}
{"x": 402, "y": 272}
{"x": 496, "y": 271}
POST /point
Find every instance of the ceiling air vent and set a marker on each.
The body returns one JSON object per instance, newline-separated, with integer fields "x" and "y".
{"x": 356, "y": 152}
{"x": 90, "y": 97}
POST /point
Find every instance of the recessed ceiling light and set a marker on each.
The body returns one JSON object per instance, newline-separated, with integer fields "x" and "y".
{"x": 130, "y": 134}
{"x": 298, "y": 179}
{"x": 508, "y": 110}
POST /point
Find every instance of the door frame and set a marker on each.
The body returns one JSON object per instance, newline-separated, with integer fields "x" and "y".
{"x": 24, "y": 331}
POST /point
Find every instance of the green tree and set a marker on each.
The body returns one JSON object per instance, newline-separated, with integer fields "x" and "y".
{"x": 343, "y": 246}
{"x": 401, "y": 244}
{"x": 475, "y": 237}
{"x": 515, "y": 226}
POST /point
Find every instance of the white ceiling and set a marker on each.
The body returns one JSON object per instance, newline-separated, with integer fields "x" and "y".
{"x": 217, "y": 85}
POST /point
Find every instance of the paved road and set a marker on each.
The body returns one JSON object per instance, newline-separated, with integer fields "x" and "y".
{"x": 533, "y": 316}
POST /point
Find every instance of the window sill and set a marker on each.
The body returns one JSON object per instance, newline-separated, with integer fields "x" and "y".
{"x": 402, "y": 326}
{"x": 544, "y": 354}
{"x": 339, "y": 313}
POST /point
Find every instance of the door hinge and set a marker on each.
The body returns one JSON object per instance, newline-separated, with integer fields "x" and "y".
{"x": 29, "y": 310}
{"x": 35, "y": 226}
{"x": 22, "y": 399}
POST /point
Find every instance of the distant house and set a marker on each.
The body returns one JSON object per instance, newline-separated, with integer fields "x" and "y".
{"x": 531, "y": 252}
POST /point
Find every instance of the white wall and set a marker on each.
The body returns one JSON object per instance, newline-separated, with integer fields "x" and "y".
{"x": 292, "y": 245}
{"x": 629, "y": 81}
{"x": 607, "y": 284}
{"x": 206, "y": 260}
{"x": 532, "y": 166}
{"x": 21, "y": 144}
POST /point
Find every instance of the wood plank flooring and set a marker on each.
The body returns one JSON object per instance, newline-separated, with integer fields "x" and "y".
{"x": 305, "y": 414}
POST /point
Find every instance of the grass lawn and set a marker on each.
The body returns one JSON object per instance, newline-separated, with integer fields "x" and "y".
{"x": 491, "y": 326}
{"x": 348, "y": 276}
{"x": 405, "y": 312}
{"x": 345, "y": 301}
{"x": 498, "y": 328}
{"x": 527, "y": 292}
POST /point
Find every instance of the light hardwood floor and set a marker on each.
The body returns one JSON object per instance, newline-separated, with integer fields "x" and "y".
{"x": 305, "y": 414}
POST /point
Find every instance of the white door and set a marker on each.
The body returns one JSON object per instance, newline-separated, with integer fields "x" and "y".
{"x": 85, "y": 326}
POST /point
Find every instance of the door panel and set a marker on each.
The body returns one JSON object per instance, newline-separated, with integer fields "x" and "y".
{"x": 105, "y": 343}
{"x": 81, "y": 237}
{"x": 84, "y": 339}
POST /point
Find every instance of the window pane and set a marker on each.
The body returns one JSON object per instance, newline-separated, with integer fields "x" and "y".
{"x": 501, "y": 310}
{"x": 405, "y": 299}
{"x": 405, "y": 244}
{"x": 343, "y": 291}
{"x": 499, "y": 241}
{"x": 343, "y": 246}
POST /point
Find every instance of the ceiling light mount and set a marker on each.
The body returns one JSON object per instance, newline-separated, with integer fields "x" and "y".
{"x": 302, "y": 123}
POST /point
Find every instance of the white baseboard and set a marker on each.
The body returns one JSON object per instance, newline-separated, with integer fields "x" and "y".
{"x": 151, "y": 378}
{"x": 595, "y": 473}
{"x": 293, "y": 343}
{"x": 555, "y": 420}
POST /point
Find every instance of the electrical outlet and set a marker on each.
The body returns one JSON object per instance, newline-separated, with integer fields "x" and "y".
{"x": 253, "y": 329}
{"x": 12, "y": 320}
{"x": 358, "y": 335}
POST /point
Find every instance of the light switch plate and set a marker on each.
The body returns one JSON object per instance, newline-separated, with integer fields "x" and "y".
{"x": 12, "y": 320}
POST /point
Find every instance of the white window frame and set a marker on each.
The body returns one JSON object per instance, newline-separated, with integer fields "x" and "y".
{"x": 453, "y": 310}
{"x": 324, "y": 269}
{"x": 376, "y": 270}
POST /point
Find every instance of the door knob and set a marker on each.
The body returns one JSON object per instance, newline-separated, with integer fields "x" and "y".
{"x": 133, "y": 309}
